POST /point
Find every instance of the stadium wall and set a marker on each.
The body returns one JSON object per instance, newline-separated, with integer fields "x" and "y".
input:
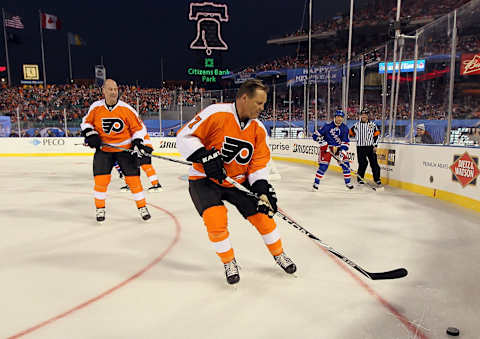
{"x": 443, "y": 172}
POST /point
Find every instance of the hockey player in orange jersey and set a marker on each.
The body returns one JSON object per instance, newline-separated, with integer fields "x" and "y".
{"x": 228, "y": 140}
{"x": 112, "y": 121}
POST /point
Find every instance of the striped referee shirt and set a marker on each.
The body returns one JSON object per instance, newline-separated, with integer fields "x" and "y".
{"x": 367, "y": 133}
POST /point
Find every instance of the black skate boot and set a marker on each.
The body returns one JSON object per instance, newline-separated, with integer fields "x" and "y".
{"x": 286, "y": 263}
{"x": 100, "y": 214}
{"x": 231, "y": 272}
{"x": 144, "y": 214}
{"x": 349, "y": 186}
{"x": 156, "y": 188}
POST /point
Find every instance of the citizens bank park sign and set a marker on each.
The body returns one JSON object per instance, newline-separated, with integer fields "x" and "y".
{"x": 465, "y": 169}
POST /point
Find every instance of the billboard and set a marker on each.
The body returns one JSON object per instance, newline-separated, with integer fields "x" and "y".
{"x": 407, "y": 66}
{"x": 31, "y": 72}
{"x": 470, "y": 64}
{"x": 297, "y": 76}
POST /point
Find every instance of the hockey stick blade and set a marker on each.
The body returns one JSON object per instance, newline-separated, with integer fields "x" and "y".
{"x": 394, "y": 274}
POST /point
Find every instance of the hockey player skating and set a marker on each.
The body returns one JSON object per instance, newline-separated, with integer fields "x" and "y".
{"x": 228, "y": 140}
{"x": 333, "y": 138}
{"x": 114, "y": 122}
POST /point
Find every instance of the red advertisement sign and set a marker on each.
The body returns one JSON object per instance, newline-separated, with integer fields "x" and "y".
{"x": 464, "y": 169}
{"x": 470, "y": 64}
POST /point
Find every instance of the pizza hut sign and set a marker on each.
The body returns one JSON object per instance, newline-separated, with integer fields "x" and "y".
{"x": 470, "y": 64}
{"x": 464, "y": 169}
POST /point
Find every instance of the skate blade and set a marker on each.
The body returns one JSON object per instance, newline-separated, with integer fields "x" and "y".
{"x": 156, "y": 190}
{"x": 233, "y": 287}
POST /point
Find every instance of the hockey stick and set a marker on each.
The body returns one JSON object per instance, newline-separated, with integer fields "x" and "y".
{"x": 148, "y": 154}
{"x": 394, "y": 274}
{"x": 353, "y": 171}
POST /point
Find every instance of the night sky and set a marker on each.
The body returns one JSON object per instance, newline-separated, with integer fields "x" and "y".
{"x": 133, "y": 36}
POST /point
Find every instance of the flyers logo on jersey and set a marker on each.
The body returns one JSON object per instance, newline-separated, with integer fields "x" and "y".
{"x": 235, "y": 149}
{"x": 112, "y": 124}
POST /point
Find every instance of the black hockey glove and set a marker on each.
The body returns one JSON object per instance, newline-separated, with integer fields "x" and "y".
{"x": 140, "y": 149}
{"x": 92, "y": 139}
{"x": 212, "y": 162}
{"x": 268, "y": 198}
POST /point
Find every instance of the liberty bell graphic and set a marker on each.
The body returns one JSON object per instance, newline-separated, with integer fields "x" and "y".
{"x": 208, "y": 16}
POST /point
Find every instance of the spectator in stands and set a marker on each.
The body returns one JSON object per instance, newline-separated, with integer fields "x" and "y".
{"x": 171, "y": 133}
{"x": 423, "y": 137}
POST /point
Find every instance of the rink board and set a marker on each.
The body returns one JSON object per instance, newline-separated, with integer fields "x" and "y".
{"x": 443, "y": 172}
{"x": 431, "y": 170}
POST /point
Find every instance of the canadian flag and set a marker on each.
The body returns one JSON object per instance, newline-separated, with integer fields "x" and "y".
{"x": 50, "y": 21}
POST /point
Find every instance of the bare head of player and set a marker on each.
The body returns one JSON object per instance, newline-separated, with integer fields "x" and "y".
{"x": 251, "y": 99}
{"x": 110, "y": 92}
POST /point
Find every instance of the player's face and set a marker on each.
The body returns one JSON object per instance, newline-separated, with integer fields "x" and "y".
{"x": 338, "y": 120}
{"x": 255, "y": 104}
{"x": 110, "y": 91}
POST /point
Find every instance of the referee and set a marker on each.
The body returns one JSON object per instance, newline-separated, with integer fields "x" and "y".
{"x": 367, "y": 134}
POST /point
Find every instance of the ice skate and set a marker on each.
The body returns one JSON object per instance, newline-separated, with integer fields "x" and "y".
{"x": 100, "y": 214}
{"x": 231, "y": 272}
{"x": 315, "y": 188}
{"x": 349, "y": 186}
{"x": 156, "y": 188}
{"x": 285, "y": 263}
{"x": 379, "y": 185}
{"x": 144, "y": 214}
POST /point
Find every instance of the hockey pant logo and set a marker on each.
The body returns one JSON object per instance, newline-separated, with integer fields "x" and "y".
{"x": 235, "y": 149}
{"x": 112, "y": 124}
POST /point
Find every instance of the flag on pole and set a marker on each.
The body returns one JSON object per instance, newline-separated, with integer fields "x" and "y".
{"x": 50, "y": 21}
{"x": 75, "y": 40}
{"x": 13, "y": 21}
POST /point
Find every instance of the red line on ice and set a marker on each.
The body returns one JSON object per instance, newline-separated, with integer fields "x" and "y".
{"x": 114, "y": 288}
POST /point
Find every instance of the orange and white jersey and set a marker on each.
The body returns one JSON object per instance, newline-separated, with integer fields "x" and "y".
{"x": 116, "y": 127}
{"x": 244, "y": 148}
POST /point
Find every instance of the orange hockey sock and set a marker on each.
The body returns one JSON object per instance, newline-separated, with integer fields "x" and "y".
{"x": 100, "y": 189}
{"x": 137, "y": 190}
{"x": 268, "y": 229}
{"x": 215, "y": 219}
{"x": 151, "y": 174}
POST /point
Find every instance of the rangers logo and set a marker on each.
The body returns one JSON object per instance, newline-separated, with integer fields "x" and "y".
{"x": 235, "y": 149}
{"x": 112, "y": 124}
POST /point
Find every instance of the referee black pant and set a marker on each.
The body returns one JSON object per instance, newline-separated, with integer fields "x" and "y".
{"x": 364, "y": 152}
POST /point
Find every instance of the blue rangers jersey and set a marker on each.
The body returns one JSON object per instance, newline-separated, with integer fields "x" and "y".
{"x": 333, "y": 135}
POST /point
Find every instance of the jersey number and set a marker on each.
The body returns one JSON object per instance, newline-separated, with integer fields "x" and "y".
{"x": 193, "y": 123}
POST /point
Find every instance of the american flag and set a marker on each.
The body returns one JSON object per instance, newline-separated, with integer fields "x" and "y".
{"x": 13, "y": 21}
